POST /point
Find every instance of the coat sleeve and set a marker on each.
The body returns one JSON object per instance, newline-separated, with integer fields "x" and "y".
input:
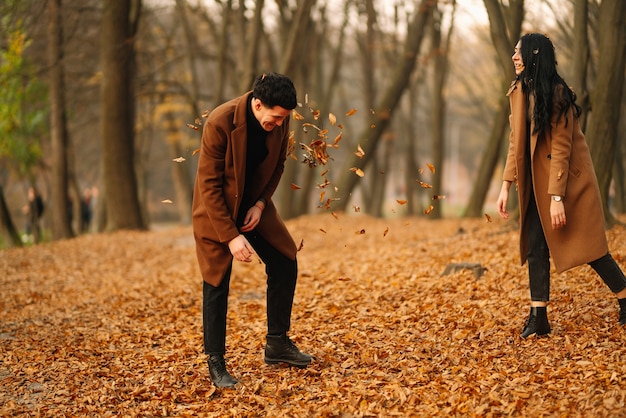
{"x": 561, "y": 135}
{"x": 212, "y": 178}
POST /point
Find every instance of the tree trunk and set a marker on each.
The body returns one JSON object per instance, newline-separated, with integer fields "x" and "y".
{"x": 440, "y": 73}
{"x": 7, "y": 226}
{"x": 504, "y": 45}
{"x": 581, "y": 57}
{"x": 391, "y": 98}
{"x": 61, "y": 227}
{"x": 119, "y": 26}
{"x": 606, "y": 98}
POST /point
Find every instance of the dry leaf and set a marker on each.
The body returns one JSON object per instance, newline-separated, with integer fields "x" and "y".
{"x": 431, "y": 167}
{"x": 332, "y": 118}
{"x": 424, "y": 185}
{"x": 295, "y": 186}
{"x": 357, "y": 171}
{"x": 179, "y": 159}
{"x": 359, "y": 151}
{"x": 351, "y": 112}
{"x": 401, "y": 201}
{"x": 428, "y": 210}
{"x": 166, "y": 201}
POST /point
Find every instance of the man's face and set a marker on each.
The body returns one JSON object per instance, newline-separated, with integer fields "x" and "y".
{"x": 269, "y": 118}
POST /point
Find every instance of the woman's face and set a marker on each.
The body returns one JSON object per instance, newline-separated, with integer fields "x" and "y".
{"x": 517, "y": 58}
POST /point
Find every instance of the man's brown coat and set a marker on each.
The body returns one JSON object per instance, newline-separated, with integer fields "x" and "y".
{"x": 219, "y": 188}
{"x": 561, "y": 165}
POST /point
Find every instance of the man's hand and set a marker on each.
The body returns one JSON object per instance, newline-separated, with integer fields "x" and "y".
{"x": 241, "y": 249}
{"x": 253, "y": 216}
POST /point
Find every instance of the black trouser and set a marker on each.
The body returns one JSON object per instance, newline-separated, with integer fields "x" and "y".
{"x": 282, "y": 273}
{"x": 539, "y": 261}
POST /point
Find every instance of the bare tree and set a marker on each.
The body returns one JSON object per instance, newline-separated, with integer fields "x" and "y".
{"x": 119, "y": 27}
{"x": 61, "y": 227}
{"x": 505, "y": 27}
{"x": 606, "y": 98}
{"x": 390, "y": 99}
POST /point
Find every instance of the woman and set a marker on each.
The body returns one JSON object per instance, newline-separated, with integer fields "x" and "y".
{"x": 550, "y": 164}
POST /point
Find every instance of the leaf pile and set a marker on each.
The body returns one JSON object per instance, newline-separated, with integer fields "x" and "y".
{"x": 110, "y": 324}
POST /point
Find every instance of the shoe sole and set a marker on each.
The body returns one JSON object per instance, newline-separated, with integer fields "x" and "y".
{"x": 292, "y": 363}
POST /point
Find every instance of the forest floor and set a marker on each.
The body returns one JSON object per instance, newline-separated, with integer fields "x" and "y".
{"x": 110, "y": 325}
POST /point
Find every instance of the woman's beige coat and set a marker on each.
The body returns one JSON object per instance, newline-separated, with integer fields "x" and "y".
{"x": 561, "y": 165}
{"x": 219, "y": 188}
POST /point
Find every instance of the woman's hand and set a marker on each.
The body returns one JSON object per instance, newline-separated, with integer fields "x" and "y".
{"x": 503, "y": 198}
{"x": 557, "y": 214}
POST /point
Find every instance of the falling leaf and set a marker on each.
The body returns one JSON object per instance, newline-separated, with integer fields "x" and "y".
{"x": 205, "y": 114}
{"x": 385, "y": 232}
{"x": 166, "y": 201}
{"x": 296, "y": 115}
{"x": 487, "y": 217}
{"x": 424, "y": 185}
{"x": 194, "y": 127}
{"x": 351, "y": 112}
{"x": 431, "y": 167}
{"x": 197, "y": 150}
{"x": 324, "y": 173}
{"x": 295, "y": 186}
{"x": 428, "y": 210}
{"x": 343, "y": 279}
{"x": 401, "y": 201}
{"x": 337, "y": 139}
{"x": 439, "y": 197}
{"x": 372, "y": 126}
{"x": 356, "y": 208}
{"x": 179, "y": 159}
{"x": 359, "y": 151}
{"x": 301, "y": 244}
{"x": 420, "y": 170}
{"x": 332, "y": 118}
{"x": 322, "y": 196}
{"x": 357, "y": 171}
{"x": 323, "y": 230}
{"x": 334, "y": 215}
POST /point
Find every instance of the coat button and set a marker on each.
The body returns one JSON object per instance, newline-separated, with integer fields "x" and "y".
{"x": 549, "y": 156}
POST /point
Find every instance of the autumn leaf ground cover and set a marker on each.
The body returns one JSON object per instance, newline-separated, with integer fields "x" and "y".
{"x": 110, "y": 325}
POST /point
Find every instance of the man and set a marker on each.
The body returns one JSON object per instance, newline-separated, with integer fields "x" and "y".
{"x": 242, "y": 157}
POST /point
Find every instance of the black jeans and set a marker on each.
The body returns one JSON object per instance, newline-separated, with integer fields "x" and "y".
{"x": 282, "y": 273}
{"x": 539, "y": 261}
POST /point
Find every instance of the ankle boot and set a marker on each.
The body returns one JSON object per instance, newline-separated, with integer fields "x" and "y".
{"x": 219, "y": 375}
{"x": 537, "y": 322}
{"x": 280, "y": 349}
{"x": 622, "y": 311}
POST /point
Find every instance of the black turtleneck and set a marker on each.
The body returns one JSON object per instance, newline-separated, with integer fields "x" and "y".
{"x": 256, "y": 151}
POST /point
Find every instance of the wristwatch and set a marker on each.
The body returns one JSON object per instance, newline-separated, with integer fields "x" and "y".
{"x": 557, "y": 198}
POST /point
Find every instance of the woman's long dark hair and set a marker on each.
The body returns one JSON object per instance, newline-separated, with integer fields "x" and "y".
{"x": 540, "y": 78}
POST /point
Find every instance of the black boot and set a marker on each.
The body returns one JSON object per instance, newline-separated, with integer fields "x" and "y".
{"x": 280, "y": 349}
{"x": 219, "y": 375}
{"x": 622, "y": 311}
{"x": 537, "y": 322}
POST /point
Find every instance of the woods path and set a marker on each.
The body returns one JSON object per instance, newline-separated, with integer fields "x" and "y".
{"x": 110, "y": 325}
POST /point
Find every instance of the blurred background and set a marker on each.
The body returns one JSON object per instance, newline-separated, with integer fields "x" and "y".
{"x": 102, "y": 103}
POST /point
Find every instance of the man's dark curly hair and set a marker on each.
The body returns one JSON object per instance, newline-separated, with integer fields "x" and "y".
{"x": 541, "y": 79}
{"x": 275, "y": 89}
